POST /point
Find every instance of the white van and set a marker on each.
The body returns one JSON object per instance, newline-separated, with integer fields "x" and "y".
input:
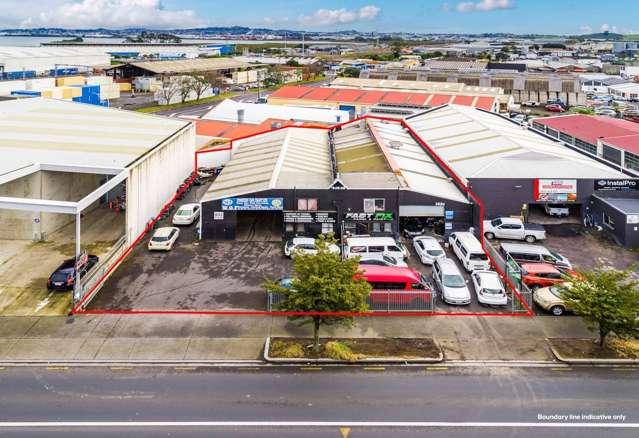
{"x": 372, "y": 247}
{"x": 469, "y": 251}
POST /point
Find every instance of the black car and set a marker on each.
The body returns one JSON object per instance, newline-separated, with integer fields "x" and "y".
{"x": 412, "y": 227}
{"x": 63, "y": 277}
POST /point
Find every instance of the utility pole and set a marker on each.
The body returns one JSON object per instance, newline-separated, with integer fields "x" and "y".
{"x": 303, "y": 33}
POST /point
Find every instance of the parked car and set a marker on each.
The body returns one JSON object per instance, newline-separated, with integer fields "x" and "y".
{"x": 558, "y": 210}
{"x": 469, "y": 251}
{"x": 513, "y": 228}
{"x": 606, "y": 112}
{"x": 412, "y": 227}
{"x": 523, "y": 253}
{"x": 554, "y": 108}
{"x": 538, "y": 275}
{"x": 261, "y": 100}
{"x": 549, "y": 299}
{"x": 428, "y": 249}
{"x": 305, "y": 245}
{"x": 63, "y": 278}
{"x": 559, "y": 102}
{"x": 163, "y": 239}
{"x": 186, "y": 214}
{"x": 519, "y": 118}
{"x": 531, "y": 103}
{"x": 384, "y": 260}
{"x": 373, "y": 246}
{"x": 453, "y": 288}
{"x": 489, "y": 288}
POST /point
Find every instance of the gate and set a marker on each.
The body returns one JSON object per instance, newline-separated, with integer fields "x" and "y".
{"x": 513, "y": 272}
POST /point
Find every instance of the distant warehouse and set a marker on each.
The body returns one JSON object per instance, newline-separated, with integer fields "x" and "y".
{"x": 28, "y": 62}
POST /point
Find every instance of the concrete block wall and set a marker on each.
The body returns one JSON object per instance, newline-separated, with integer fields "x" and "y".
{"x": 16, "y": 224}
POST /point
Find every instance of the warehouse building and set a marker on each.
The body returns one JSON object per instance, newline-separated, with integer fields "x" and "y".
{"x": 28, "y": 62}
{"x": 366, "y": 177}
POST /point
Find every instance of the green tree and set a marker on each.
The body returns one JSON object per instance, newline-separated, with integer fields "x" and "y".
{"x": 350, "y": 72}
{"x": 199, "y": 85}
{"x": 292, "y": 63}
{"x": 607, "y": 299}
{"x": 396, "y": 48}
{"x": 323, "y": 283}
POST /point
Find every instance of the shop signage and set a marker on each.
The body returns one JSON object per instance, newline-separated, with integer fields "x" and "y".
{"x": 450, "y": 214}
{"x": 218, "y": 215}
{"x": 448, "y": 226}
{"x": 253, "y": 204}
{"x": 379, "y": 216}
{"x": 309, "y": 217}
{"x": 555, "y": 190}
{"x": 624, "y": 185}
{"x": 632, "y": 219}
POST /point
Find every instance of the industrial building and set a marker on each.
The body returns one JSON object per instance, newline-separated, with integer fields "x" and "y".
{"x": 107, "y": 171}
{"x": 28, "y": 62}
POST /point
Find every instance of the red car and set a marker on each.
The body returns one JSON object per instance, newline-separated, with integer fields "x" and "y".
{"x": 555, "y": 108}
{"x": 537, "y": 275}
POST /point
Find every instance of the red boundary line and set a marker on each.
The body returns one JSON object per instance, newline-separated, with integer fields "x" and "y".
{"x": 77, "y": 309}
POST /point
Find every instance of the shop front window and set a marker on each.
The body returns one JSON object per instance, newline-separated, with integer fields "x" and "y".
{"x": 372, "y": 205}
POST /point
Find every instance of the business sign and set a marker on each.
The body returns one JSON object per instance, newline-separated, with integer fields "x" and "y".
{"x": 632, "y": 219}
{"x": 623, "y": 185}
{"x": 379, "y": 216}
{"x": 449, "y": 215}
{"x": 556, "y": 190}
{"x": 218, "y": 215}
{"x": 309, "y": 217}
{"x": 252, "y": 204}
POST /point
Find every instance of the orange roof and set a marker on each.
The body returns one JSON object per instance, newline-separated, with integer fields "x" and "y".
{"x": 485, "y": 103}
{"x": 231, "y": 130}
{"x": 464, "y": 100}
{"x": 439, "y": 99}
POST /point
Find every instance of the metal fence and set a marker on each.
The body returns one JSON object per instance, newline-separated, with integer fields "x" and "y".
{"x": 93, "y": 277}
{"x": 382, "y": 301}
{"x": 513, "y": 272}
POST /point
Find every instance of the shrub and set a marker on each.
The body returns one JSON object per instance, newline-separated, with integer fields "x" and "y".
{"x": 628, "y": 348}
{"x": 286, "y": 350}
{"x": 338, "y": 351}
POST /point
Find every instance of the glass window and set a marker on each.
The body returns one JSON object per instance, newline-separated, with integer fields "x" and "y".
{"x": 302, "y": 204}
{"x": 377, "y": 227}
{"x": 371, "y": 205}
{"x": 289, "y": 228}
{"x": 299, "y": 228}
{"x": 388, "y": 227}
{"x": 393, "y": 248}
{"x": 358, "y": 249}
{"x": 375, "y": 249}
{"x": 309, "y": 204}
{"x": 327, "y": 228}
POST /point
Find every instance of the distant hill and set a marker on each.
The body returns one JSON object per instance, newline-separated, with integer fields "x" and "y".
{"x": 608, "y": 36}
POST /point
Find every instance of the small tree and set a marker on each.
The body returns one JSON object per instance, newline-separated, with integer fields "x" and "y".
{"x": 323, "y": 283}
{"x": 170, "y": 88}
{"x": 214, "y": 79}
{"x": 607, "y": 299}
{"x": 350, "y": 72}
{"x": 292, "y": 63}
{"x": 199, "y": 85}
{"x": 185, "y": 87}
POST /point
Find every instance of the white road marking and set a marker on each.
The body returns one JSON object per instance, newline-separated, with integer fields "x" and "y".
{"x": 42, "y": 304}
{"x": 257, "y": 424}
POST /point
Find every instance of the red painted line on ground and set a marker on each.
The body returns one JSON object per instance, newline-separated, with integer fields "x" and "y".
{"x": 78, "y": 308}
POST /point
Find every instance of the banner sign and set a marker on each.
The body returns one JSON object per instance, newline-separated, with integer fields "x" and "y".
{"x": 555, "y": 190}
{"x": 624, "y": 185}
{"x": 379, "y": 216}
{"x": 253, "y": 204}
{"x": 309, "y": 217}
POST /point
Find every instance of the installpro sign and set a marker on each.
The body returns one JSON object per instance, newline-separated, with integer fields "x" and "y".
{"x": 623, "y": 185}
{"x": 556, "y": 190}
{"x": 240, "y": 204}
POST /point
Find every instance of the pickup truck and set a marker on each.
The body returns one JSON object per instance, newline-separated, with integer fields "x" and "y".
{"x": 513, "y": 228}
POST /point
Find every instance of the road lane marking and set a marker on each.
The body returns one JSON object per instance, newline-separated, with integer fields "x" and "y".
{"x": 57, "y": 368}
{"x": 311, "y": 368}
{"x": 318, "y": 424}
{"x": 185, "y": 368}
{"x": 561, "y": 369}
{"x": 249, "y": 368}
{"x": 436, "y": 368}
{"x": 374, "y": 369}
{"x": 345, "y": 431}
{"x": 121, "y": 368}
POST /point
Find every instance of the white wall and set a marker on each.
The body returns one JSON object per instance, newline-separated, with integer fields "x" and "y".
{"x": 154, "y": 180}
{"x": 214, "y": 159}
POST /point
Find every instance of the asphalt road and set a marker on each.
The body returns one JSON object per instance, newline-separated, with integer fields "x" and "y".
{"x": 500, "y": 399}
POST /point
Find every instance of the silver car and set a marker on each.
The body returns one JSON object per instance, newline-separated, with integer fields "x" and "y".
{"x": 453, "y": 288}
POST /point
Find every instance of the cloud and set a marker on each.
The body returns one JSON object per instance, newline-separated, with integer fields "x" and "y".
{"x": 608, "y": 28}
{"x": 586, "y": 28}
{"x": 445, "y": 7}
{"x": 328, "y": 17}
{"x": 485, "y": 5}
{"x": 112, "y": 14}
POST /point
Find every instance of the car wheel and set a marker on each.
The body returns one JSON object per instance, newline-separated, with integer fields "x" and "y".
{"x": 530, "y": 239}
{"x": 489, "y": 236}
{"x": 557, "y": 310}
{"x": 534, "y": 287}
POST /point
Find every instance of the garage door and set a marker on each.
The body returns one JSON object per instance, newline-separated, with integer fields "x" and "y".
{"x": 421, "y": 210}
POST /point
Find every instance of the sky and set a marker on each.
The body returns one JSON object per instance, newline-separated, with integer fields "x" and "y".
{"x": 424, "y": 16}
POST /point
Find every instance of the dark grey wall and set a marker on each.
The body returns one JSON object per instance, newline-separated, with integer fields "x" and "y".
{"x": 625, "y": 234}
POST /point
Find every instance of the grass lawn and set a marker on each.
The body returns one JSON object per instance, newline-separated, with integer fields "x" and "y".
{"x": 354, "y": 348}
{"x": 156, "y": 108}
{"x": 590, "y": 349}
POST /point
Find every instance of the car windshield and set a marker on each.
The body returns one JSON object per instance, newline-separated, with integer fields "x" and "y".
{"x": 160, "y": 238}
{"x": 493, "y": 291}
{"x": 390, "y": 260}
{"x": 60, "y": 276}
{"x": 478, "y": 256}
{"x": 454, "y": 281}
{"x": 184, "y": 212}
{"x": 495, "y": 222}
{"x": 556, "y": 255}
{"x": 555, "y": 291}
{"x": 435, "y": 252}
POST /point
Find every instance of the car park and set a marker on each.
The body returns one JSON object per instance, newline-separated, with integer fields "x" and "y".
{"x": 469, "y": 251}
{"x": 63, "y": 278}
{"x": 557, "y": 210}
{"x": 524, "y": 253}
{"x": 489, "y": 288}
{"x": 384, "y": 260}
{"x": 549, "y": 299}
{"x": 374, "y": 246}
{"x": 186, "y": 214}
{"x": 531, "y": 103}
{"x": 513, "y": 228}
{"x": 608, "y": 112}
{"x": 305, "y": 245}
{"x": 428, "y": 249}
{"x": 453, "y": 288}
{"x": 163, "y": 239}
{"x": 405, "y": 285}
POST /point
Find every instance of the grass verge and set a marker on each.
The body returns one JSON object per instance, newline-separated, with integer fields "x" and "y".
{"x": 590, "y": 349}
{"x": 156, "y": 108}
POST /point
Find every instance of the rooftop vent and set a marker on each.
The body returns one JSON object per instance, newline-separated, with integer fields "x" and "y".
{"x": 394, "y": 144}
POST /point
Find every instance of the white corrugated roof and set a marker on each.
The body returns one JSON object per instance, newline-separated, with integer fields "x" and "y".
{"x": 40, "y": 130}
{"x": 257, "y": 113}
{"x": 285, "y": 159}
{"x": 7, "y": 53}
{"x": 478, "y": 144}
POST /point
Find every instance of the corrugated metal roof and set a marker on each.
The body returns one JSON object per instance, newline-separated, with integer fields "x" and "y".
{"x": 287, "y": 158}
{"x": 191, "y": 65}
{"x": 410, "y": 86}
{"x": 478, "y": 144}
{"x": 356, "y": 150}
{"x": 7, "y": 53}
{"x": 40, "y": 130}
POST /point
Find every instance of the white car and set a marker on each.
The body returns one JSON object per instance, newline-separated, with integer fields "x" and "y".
{"x": 305, "y": 245}
{"x": 530, "y": 103}
{"x": 489, "y": 288}
{"x": 559, "y": 210}
{"x": 428, "y": 249}
{"x": 453, "y": 288}
{"x": 163, "y": 239}
{"x": 382, "y": 260}
{"x": 186, "y": 214}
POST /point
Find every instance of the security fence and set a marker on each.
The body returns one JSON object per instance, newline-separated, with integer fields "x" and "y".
{"x": 513, "y": 272}
{"x": 382, "y": 301}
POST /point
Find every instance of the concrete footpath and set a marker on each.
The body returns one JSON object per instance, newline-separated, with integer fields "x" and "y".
{"x": 175, "y": 338}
